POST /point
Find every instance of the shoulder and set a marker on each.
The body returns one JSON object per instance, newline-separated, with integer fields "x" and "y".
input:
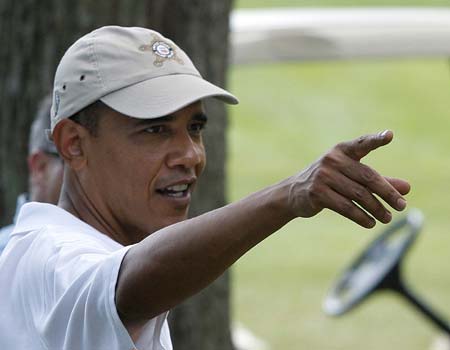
{"x": 66, "y": 243}
{"x": 54, "y": 226}
{"x": 56, "y": 259}
{"x": 54, "y": 245}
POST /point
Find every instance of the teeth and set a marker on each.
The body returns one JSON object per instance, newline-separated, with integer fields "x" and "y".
{"x": 177, "y": 188}
{"x": 175, "y": 191}
{"x": 175, "y": 194}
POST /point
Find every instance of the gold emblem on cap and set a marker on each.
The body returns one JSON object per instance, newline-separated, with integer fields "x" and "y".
{"x": 162, "y": 51}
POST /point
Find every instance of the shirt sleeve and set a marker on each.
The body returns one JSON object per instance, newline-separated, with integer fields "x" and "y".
{"x": 74, "y": 306}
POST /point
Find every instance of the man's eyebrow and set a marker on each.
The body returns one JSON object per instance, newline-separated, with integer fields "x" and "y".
{"x": 168, "y": 118}
{"x": 201, "y": 117}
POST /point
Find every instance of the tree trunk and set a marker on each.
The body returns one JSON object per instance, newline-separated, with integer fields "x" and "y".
{"x": 34, "y": 35}
{"x": 201, "y": 29}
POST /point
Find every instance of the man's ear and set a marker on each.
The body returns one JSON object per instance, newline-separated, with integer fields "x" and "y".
{"x": 68, "y": 137}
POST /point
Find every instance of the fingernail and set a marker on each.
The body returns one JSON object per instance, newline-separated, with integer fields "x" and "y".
{"x": 371, "y": 224}
{"x": 401, "y": 204}
{"x": 387, "y": 217}
{"x": 383, "y": 133}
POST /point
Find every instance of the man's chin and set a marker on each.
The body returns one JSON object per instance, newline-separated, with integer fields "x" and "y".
{"x": 166, "y": 221}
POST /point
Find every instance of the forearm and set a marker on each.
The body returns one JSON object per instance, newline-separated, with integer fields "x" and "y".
{"x": 178, "y": 261}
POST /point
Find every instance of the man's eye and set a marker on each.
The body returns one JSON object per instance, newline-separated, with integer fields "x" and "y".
{"x": 156, "y": 129}
{"x": 197, "y": 127}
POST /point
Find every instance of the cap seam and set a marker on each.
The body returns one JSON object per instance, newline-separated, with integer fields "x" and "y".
{"x": 95, "y": 62}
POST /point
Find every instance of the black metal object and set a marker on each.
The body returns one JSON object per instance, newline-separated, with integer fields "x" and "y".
{"x": 379, "y": 268}
{"x": 394, "y": 282}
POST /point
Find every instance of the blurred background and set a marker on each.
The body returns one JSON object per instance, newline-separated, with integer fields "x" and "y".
{"x": 290, "y": 113}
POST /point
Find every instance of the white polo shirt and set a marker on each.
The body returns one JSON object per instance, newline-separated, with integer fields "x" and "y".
{"x": 57, "y": 287}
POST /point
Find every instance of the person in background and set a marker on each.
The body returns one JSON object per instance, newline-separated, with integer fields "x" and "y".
{"x": 44, "y": 166}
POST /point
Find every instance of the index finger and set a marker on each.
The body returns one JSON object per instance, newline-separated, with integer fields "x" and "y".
{"x": 362, "y": 146}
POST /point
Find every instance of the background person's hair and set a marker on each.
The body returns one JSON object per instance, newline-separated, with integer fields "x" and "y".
{"x": 38, "y": 140}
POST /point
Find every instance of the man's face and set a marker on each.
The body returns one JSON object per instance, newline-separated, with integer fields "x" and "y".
{"x": 141, "y": 173}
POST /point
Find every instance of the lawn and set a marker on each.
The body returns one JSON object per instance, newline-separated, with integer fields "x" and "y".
{"x": 289, "y": 115}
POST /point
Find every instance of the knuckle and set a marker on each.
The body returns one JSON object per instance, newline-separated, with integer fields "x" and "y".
{"x": 360, "y": 193}
{"x": 331, "y": 160}
{"x": 328, "y": 159}
{"x": 342, "y": 147}
{"x": 314, "y": 194}
{"x": 361, "y": 139}
{"x": 376, "y": 208}
{"x": 379, "y": 212}
{"x": 347, "y": 207}
{"x": 322, "y": 179}
{"x": 315, "y": 189}
{"x": 393, "y": 196}
{"x": 320, "y": 174}
{"x": 368, "y": 175}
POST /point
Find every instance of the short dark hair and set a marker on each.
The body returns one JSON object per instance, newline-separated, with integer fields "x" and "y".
{"x": 89, "y": 116}
{"x": 38, "y": 140}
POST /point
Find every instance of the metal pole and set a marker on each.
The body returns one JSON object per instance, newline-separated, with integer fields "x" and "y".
{"x": 394, "y": 282}
{"x": 424, "y": 309}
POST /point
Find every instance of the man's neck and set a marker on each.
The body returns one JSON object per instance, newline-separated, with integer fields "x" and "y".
{"x": 75, "y": 200}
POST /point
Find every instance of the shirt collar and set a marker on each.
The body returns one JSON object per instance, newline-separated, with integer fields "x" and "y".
{"x": 34, "y": 215}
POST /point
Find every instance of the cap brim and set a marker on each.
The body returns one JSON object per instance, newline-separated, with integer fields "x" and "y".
{"x": 164, "y": 95}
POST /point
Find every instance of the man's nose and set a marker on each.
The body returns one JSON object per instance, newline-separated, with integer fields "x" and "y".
{"x": 186, "y": 152}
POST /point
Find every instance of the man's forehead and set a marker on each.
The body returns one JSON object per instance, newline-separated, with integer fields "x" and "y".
{"x": 194, "y": 111}
{"x": 199, "y": 116}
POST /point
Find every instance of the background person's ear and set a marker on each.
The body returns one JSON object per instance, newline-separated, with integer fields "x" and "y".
{"x": 68, "y": 137}
{"x": 37, "y": 164}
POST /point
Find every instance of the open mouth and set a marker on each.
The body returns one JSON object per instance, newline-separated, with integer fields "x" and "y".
{"x": 176, "y": 191}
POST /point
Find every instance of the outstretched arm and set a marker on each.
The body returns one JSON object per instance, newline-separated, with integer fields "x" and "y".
{"x": 178, "y": 261}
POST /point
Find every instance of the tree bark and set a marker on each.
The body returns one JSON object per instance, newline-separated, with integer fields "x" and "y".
{"x": 34, "y": 35}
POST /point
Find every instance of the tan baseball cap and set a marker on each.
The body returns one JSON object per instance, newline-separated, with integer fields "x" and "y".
{"x": 136, "y": 71}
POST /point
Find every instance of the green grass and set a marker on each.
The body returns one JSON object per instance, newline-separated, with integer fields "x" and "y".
{"x": 289, "y": 115}
{"x": 337, "y": 3}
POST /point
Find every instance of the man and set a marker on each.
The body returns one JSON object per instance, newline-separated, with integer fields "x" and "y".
{"x": 101, "y": 269}
{"x": 44, "y": 166}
